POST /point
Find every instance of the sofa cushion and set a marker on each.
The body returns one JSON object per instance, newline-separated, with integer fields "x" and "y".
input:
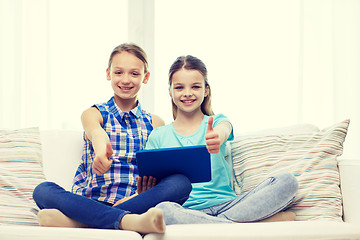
{"x": 300, "y": 230}
{"x": 20, "y": 172}
{"x": 61, "y": 154}
{"x": 310, "y": 156}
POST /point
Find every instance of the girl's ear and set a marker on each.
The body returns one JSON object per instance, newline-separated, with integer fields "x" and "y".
{"x": 170, "y": 92}
{"x": 108, "y": 75}
{"x": 146, "y": 78}
{"x": 207, "y": 90}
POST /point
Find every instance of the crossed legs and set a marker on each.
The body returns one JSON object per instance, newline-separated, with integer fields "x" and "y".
{"x": 148, "y": 222}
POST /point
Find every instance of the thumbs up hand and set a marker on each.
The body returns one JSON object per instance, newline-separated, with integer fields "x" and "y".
{"x": 212, "y": 138}
{"x": 102, "y": 162}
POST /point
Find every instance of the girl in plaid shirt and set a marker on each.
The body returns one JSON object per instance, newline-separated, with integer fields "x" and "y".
{"x": 104, "y": 190}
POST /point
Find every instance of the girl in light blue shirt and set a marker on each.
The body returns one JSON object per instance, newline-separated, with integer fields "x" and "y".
{"x": 195, "y": 124}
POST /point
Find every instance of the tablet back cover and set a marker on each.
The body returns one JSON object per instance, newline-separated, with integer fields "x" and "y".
{"x": 192, "y": 161}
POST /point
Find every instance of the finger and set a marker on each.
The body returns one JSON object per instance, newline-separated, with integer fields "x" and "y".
{"x": 211, "y": 141}
{"x": 109, "y": 150}
{"x": 97, "y": 170}
{"x": 154, "y": 182}
{"x": 95, "y": 167}
{"x": 101, "y": 170}
{"x": 213, "y": 146}
{"x": 213, "y": 149}
{"x": 210, "y": 124}
{"x": 211, "y": 135}
{"x": 106, "y": 166}
{"x": 144, "y": 183}
{"x": 150, "y": 183}
{"x": 139, "y": 184}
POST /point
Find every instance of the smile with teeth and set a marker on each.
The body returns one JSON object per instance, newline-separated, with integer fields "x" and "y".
{"x": 125, "y": 88}
{"x": 188, "y": 101}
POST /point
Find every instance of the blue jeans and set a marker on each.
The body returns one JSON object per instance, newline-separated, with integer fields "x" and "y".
{"x": 266, "y": 199}
{"x": 175, "y": 188}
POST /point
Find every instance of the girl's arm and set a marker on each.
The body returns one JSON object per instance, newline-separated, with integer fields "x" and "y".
{"x": 92, "y": 120}
{"x": 216, "y": 136}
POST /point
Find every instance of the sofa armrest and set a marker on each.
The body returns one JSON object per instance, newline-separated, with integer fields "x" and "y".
{"x": 350, "y": 189}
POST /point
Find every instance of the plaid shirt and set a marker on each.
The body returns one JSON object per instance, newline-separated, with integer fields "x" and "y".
{"x": 128, "y": 133}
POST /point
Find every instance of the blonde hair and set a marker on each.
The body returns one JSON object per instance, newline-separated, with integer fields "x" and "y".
{"x": 133, "y": 49}
{"x": 192, "y": 63}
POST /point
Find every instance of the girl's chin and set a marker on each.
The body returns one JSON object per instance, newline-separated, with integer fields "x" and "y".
{"x": 125, "y": 91}
{"x": 126, "y": 96}
{"x": 189, "y": 109}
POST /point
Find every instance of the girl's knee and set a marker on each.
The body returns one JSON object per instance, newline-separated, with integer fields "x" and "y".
{"x": 291, "y": 180}
{"x": 288, "y": 180}
{"x": 181, "y": 177}
{"x": 43, "y": 189}
{"x": 168, "y": 206}
{"x": 181, "y": 181}
{"x": 40, "y": 188}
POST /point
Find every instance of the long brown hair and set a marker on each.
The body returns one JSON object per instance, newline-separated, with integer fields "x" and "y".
{"x": 192, "y": 63}
{"x": 133, "y": 49}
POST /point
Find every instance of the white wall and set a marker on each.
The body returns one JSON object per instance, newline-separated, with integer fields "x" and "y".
{"x": 54, "y": 56}
{"x": 251, "y": 49}
{"x": 23, "y": 62}
{"x": 271, "y": 63}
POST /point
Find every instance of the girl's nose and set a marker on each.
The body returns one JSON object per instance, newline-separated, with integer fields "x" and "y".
{"x": 187, "y": 92}
{"x": 125, "y": 78}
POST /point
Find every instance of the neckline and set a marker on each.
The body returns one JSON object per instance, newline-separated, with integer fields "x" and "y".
{"x": 189, "y": 136}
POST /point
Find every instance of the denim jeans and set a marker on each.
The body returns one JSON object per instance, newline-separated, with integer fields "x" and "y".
{"x": 266, "y": 199}
{"x": 175, "y": 188}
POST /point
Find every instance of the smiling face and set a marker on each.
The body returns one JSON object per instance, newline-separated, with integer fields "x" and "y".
{"x": 127, "y": 73}
{"x": 188, "y": 91}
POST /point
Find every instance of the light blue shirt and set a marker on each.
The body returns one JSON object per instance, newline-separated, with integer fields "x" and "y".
{"x": 207, "y": 194}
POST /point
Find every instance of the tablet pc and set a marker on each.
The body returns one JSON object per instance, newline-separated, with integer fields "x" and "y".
{"x": 192, "y": 161}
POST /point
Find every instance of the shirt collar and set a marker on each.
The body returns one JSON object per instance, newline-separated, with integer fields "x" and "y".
{"x": 135, "y": 112}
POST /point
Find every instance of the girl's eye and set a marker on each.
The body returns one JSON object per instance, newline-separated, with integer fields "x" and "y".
{"x": 196, "y": 87}
{"x": 178, "y": 87}
{"x": 118, "y": 72}
{"x": 135, "y": 74}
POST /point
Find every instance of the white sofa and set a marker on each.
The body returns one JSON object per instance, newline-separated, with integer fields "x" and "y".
{"x": 62, "y": 151}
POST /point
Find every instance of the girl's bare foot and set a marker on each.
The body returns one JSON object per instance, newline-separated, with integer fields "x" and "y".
{"x": 151, "y": 221}
{"x": 55, "y": 218}
{"x": 281, "y": 216}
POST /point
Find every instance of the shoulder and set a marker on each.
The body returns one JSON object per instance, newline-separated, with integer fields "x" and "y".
{"x": 218, "y": 118}
{"x": 157, "y": 137}
{"x": 157, "y": 121}
{"x": 160, "y": 130}
{"x": 91, "y": 113}
{"x": 105, "y": 105}
{"x": 102, "y": 109}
